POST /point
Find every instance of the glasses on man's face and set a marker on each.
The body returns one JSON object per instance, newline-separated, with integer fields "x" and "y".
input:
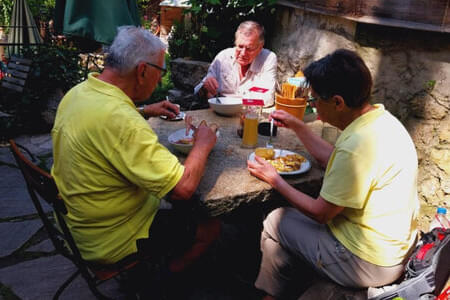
{"x": 162, "y": 69}
{"x": 247, "y": 49}
{"x": 312, "y": 100}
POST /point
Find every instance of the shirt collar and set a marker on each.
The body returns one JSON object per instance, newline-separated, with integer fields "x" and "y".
{"x": 361, "y": 121}
{"x": 107, "y": 88}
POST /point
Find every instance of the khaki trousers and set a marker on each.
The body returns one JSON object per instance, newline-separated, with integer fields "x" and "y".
{"x": 296, "y": 249}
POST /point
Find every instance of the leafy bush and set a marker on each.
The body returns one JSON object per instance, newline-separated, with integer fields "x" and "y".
{"x": 53, "y": 67}
{"x": 213, "y": 24}
{"x": 5, "y": 12}
{"x": 42, "y": 10}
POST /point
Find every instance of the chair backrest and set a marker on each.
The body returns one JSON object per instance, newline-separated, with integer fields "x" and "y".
{"x": 16, "y": 73}
{"x": 42, "y": 187}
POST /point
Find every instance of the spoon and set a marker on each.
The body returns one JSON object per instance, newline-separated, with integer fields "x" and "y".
{"x": 269, "y": 143}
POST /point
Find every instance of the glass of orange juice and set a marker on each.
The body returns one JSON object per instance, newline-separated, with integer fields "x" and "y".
{"x": 252, "y": 112}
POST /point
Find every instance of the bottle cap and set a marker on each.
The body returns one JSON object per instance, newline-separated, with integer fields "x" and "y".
{"x": 441, "y": 210}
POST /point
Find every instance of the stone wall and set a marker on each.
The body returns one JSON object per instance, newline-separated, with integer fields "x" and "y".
{"x": 411, "y": 71}
{"x": 185, "y": 75}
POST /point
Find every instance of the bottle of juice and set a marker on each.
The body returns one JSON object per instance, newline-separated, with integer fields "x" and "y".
{"x": 252, "y": 112}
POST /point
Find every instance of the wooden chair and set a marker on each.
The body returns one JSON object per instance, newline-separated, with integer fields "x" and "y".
{"x": 41, "y": 186}
{"x": 16, "y": 73}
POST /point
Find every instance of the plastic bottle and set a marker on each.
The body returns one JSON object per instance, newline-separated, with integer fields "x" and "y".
{"x": 440, "y": 219}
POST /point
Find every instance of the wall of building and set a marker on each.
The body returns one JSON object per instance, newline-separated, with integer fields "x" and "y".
{"x": 411, "y": 71}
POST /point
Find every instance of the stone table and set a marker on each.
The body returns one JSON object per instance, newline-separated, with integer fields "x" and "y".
{"x": 227, "y": 183}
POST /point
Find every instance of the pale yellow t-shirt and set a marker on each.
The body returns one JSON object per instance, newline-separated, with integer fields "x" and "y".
{"x": 110, "y": 169}
{"x": 372, "y": 173}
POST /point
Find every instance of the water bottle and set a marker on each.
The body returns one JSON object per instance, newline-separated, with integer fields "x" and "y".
{"x": 440, "y": 219}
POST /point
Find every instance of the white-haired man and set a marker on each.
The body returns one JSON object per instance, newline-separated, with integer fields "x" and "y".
{"x": 110, "y": 168}
{"x": 234, "y": 71}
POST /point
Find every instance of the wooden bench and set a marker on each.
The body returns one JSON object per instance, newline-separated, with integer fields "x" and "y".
{"x": 16, "y": 73}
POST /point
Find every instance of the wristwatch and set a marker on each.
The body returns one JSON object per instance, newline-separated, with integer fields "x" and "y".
{"x": 140, "y": 109}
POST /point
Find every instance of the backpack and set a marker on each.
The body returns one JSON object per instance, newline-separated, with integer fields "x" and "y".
{"x": 427, "y": 269}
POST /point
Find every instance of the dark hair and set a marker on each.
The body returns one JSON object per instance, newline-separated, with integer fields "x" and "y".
{"x": 341, "y": 73}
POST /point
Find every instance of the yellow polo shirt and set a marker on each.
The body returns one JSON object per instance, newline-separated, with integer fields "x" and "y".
{"x": 372, "y": 173}
{"x": 110, "y": 169}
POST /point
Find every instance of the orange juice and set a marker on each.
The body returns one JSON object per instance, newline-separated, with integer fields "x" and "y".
{"x": 250, "y": 136}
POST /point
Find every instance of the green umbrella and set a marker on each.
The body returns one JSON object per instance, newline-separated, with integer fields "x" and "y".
{"x": 23, "y": 30}
{"x": 95, "y": 19}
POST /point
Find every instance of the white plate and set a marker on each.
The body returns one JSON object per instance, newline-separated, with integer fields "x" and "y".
{"x": 179, "y": 134}
{"x": 179, "y": 117}
{"x": 306, "y": 165}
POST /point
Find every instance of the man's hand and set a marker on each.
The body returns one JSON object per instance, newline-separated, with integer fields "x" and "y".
{"x": 194, "y": 165}
{"x": 210, "y": 85}
{"x": 163, "y": 108}
{"x": 205, "y": 137}
{"x": 264, "y": 171}
{"x": 284, "y": 119}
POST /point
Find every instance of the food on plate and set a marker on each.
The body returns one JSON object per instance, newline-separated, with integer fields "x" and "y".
{"x": 287, "y": 163}
{"x": 185, "y": 141}
{"x": 266, "y": 153}
{"x": 188, "y": 123}
{"x": 214, "y": 127}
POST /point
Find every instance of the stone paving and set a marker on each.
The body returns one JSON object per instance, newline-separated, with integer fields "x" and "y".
{"x": 29, "y": 268}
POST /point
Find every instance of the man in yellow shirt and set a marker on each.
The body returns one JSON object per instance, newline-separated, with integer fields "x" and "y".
{"x": 360, "y": 229}
{"x": 111, "y": 170}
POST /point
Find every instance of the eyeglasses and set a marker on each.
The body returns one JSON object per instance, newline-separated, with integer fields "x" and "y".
{"x": 248, "y": 49}
{"x": 312, "y": 100}
{"x": 162, "y": 69}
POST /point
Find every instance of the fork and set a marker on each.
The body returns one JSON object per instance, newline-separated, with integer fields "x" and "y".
{"x": 269, "y": 143}
{"x": 217, "y": 99}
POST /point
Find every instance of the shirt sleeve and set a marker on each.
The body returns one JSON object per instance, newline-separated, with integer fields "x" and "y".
{"x": 142, "y": 160}
{"x": 213, "y": 71}
{"x": 347, "y": 181}
{"x": 267, "y": 78}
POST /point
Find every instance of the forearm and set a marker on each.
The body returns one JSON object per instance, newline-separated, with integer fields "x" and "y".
{"x": 319, "y": 148}
{"x": 318, "y": 209}
{"x": 297, "y": 199}
{"x": 194, "y": 167}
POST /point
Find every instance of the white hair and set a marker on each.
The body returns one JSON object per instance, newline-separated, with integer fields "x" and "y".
{"x": 250, "y": 27}
{"x": 131, "y": 46}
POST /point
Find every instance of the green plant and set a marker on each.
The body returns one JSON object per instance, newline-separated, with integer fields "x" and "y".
{"x": 5, "y": 12}
{"x": 41, "y": 9}
{"x": 206, "y": 34}
{"x": 430, "y": 84}
{"x": 53, "y": 67}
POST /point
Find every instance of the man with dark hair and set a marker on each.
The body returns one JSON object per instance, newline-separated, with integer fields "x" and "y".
{"x": 360, "y": 229}
{"x": 236, "y": 70}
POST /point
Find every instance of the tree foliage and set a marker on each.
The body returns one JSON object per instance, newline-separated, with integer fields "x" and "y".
{"x": 53, "y": 67}
{"x": 42, "y": 10}
{"x": 213, "y": 24}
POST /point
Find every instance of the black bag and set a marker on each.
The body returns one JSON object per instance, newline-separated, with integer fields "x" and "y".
{"x": 427, "y": 270}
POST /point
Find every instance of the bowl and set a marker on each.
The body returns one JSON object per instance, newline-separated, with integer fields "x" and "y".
{"x": 178, "y": 140}
{"x": 228, "y": 106}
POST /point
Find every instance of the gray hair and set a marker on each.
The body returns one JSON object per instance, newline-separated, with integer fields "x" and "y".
{"x": 248, "y": 28}
{"x": 131, "y": 46}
